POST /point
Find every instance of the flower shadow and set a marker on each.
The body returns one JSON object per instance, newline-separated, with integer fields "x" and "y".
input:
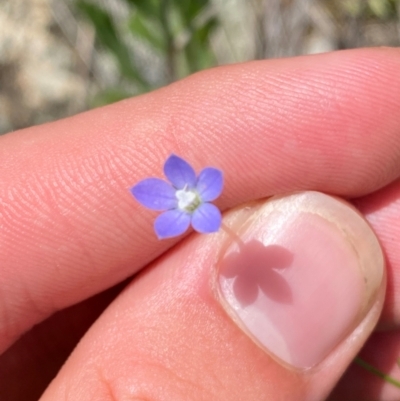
{"x": 254, "y": 268}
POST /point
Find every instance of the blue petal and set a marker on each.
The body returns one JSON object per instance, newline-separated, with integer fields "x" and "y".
{"x": 171, "y": 223}
{"x": 179, "y": 172}
{"x": 209, "y": 184}
{"x": 155, "y": 194}
{"x": 206, "y": 219}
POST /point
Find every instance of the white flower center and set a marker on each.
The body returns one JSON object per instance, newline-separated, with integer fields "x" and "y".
{"x": 188, "y": 199}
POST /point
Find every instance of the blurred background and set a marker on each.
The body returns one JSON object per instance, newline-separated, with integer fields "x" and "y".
{"x": 60, "y": 57}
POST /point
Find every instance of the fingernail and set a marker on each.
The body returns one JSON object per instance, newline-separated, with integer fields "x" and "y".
{"x": 299, "y": 275}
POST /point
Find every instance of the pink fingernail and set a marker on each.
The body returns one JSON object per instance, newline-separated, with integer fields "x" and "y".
{"x": 295, "y": 282}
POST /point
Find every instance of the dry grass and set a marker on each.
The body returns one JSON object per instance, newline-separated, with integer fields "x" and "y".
{"x": 51, "y": 68}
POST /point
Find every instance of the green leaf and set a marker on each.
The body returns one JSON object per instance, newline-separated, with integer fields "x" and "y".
{"x": 190, "y": 9}
{"x": 380, "y": 8}
{"x": 198, "y": 51}
{"x": 107, "y": 35}
{"x": 147, "y": 30}
{"x": 109, "y": 96}
{"x": 202, "y": 34}
{"x": 150, "y": 8}
{"x": 353, "y": 8}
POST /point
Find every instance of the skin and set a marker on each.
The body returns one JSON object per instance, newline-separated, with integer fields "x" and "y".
{"x": 71, "y": 230}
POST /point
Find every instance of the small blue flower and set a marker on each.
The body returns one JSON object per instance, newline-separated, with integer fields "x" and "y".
{"x": 184, "y": 201}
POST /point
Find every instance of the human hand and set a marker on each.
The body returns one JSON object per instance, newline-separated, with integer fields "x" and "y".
{"x": 69, "y": 229}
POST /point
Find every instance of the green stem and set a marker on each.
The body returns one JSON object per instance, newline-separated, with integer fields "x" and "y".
{"x": 233, "y": 235}
{"x": 169, "y": 39}
{"x": 376, "y": 372}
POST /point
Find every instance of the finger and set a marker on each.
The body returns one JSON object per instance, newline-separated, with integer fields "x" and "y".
{"x": 359, "y": 383}
{"x": 188, "y": 329}
{"x": 27, "y": 368}
{"x": 382, "y": 210}
{"x": 69, "y": 227}
{"x": 381, "y": 351}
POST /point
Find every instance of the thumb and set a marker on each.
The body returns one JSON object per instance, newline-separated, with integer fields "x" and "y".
{"x": 306, "y": 282}
{"x": 274, "y": 308}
